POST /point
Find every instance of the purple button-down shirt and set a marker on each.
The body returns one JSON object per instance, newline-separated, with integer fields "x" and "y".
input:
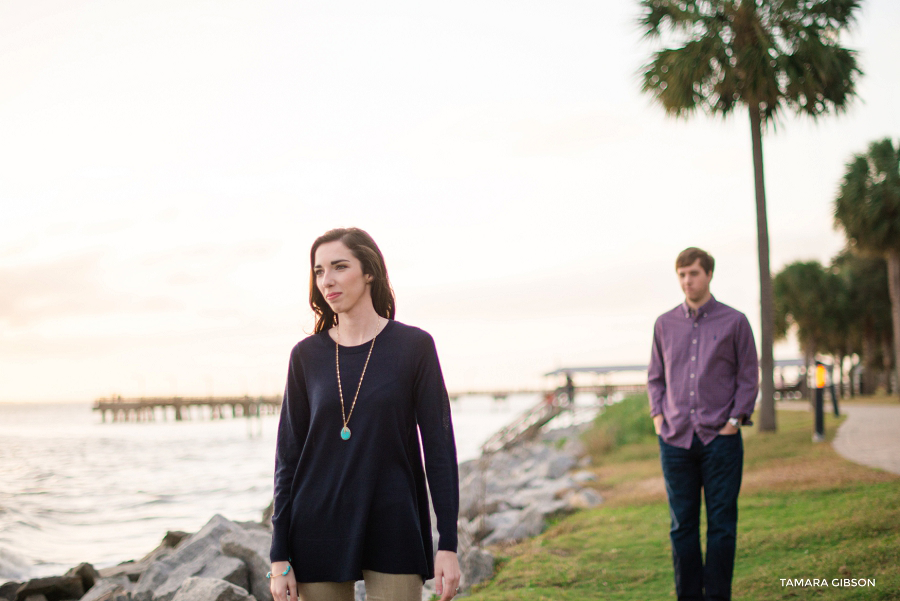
{"x": 703, "y": 370}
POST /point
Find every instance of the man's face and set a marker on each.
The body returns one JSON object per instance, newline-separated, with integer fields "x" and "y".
{"x": 694, "y": 281}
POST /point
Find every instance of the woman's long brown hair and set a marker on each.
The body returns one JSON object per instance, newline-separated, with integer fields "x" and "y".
{"x": 367, "y": 252}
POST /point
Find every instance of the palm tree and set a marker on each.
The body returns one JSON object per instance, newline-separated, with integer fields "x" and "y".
{"x": 803, "y": 291}
{"x": 766, "y": 55}
{"x": 868, "y": 311}
{"x": 868, "y": 208}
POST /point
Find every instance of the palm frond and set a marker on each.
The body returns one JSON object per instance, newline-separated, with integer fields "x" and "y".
{"x": 867, "y": 206}
{"x": 767, "y": 53}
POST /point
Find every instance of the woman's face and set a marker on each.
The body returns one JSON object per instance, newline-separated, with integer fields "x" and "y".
{"x": 340, "y": 278}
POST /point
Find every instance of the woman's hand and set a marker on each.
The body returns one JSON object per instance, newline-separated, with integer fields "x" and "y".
{"x": 284, "y": 588}
{"x": 446, "y": 575}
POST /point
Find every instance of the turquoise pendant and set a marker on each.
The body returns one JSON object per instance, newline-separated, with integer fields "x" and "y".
{"x": 345, "y": 433}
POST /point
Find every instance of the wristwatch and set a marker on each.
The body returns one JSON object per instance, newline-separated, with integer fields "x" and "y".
{"x": 734, "y": 422}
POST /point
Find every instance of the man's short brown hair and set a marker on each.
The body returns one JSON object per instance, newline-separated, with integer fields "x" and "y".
{"x": 689, "y": 255}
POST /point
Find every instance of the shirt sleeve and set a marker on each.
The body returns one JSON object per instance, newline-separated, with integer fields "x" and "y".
{"x": 293, "y": 426}
{"x": 747, "y": 371}
{"x": 433, "y": 416}
{"x": 656, "y": 374}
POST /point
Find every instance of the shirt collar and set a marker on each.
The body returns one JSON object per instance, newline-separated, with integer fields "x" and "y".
{"x": 707, "y": 307}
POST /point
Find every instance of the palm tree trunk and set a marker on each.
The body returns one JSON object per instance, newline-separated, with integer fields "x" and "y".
{"x": 893, "y": 264}
{"x": 851, "y": 376}
{"x": 766, "y": 299}
{"x": 839, "y": 383}
{"x": 886, "y": 364}
{"x": 869, "y": 379}
{"x": 809, "y": 357}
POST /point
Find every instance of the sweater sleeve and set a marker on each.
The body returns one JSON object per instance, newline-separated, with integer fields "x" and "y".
{"x": 292, "y": 429}
{"x": 656, "y": 374}
{"x": 436, "y": 427}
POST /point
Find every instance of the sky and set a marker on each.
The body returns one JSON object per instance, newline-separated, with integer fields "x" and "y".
{"x": 166, "y": 165}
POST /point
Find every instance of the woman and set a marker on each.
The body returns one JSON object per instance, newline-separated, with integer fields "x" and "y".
{"x": 350, "y": 494}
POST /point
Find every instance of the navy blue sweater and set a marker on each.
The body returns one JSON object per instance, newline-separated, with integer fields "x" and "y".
{"x": 342, "y": 506}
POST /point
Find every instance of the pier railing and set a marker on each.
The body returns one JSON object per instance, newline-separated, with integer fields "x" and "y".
{"x": 185, "y": 408}
{"x": 529, "y": 423}
{"x": 144, "y": 409}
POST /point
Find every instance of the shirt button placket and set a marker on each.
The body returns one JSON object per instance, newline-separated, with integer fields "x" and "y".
{"x": 693, "y": 373}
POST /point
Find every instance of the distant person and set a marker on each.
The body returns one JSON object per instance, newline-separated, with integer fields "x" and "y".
{"x": 702, "y": 382}
{"x": 350, "y": 488}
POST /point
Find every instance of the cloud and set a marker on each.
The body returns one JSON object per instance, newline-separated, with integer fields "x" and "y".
{"x": 69, "y": 287}
{"x": 106, "y": 283}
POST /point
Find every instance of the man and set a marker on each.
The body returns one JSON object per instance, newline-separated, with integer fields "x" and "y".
{"x": 702, "y": 382}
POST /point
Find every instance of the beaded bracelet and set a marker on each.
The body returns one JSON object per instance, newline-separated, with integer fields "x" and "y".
{"x": 284, "y": 573}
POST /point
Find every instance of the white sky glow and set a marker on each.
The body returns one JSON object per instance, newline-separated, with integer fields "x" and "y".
{"x": 165, "y": 166}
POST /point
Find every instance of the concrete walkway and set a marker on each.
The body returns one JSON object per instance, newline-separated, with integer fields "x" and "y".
{"x": 869, "y": 436}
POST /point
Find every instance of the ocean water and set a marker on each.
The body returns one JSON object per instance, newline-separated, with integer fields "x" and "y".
{"x": 74, "y": 489}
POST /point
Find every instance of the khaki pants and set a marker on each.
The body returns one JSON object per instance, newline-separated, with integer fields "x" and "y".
{"x": 379, "y": 587}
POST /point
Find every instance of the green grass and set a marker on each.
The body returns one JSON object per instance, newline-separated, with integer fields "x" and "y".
{"x": 804, "y": 513}
{"x": 623, "y": 423}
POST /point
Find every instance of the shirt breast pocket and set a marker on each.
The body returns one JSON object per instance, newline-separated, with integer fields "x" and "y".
{"x": 722, "y": 348}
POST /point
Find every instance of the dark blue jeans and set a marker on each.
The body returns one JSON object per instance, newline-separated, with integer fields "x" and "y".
{"x": 716, "y": 468}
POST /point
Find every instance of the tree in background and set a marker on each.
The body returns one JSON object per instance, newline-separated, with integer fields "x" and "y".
{"x": 840, "y": 317}
{"x": 867, "y": 207}
{"x": 869, "y": 312}
{"x": 840, "y": 311}
{"x": 766, "y": 55}
{"x": 802, "y": 293}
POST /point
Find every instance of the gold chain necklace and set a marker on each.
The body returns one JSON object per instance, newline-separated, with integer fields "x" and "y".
{"x": 345, "y": 431}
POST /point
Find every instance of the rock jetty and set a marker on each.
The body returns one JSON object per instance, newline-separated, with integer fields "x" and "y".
{"x": 224, "y": 561}
{"x": 513, "y": 494}
{"x": 504, "y": 497}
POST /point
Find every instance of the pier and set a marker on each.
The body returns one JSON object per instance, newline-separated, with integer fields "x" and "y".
{"x": 185, "y": 408}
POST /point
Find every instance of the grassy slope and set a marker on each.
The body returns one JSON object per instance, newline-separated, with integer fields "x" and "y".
{"x": 804, "y": 513}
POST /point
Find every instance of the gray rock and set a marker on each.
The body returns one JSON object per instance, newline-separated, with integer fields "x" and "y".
{"x": 173, "y": 538}
{"x": 252, "y": 548}
{"x": 268, "y": 512}
{"x": 542, "y": 491}
{"x": 199, "y": 555}
{"x": 575, "y": 448}
{"x": 470, "y": 495}
{"x": 86, "y": 572}
{"x": 496, "y": 505}
{"x": 585, "y": 498}
{"x": 134, "y": 569}
{"x": 507, "y": 527}
{"x": 477, "y": 565}
{"x": 467, "y": 467}
{"x": 550, "y": 510}
{"x": 229, "y": 569}
{"x": 258, "y": 526}
{"x": 8, "y": 590}
{"x": 54, "y": 588}
{"x": 106, "y": 589}
{"x": 359, "y": 591}
{"x": 584, "y": 476}
{"x": 503, "y": 520}
{"x": 558, "y": 466}
{"x": 131, "y": 569}
{"x": 210, "y": 589}
{"x": 515, "y": 525}
{"x": 36, "y": 597}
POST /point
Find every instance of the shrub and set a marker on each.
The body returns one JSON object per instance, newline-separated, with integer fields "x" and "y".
{"x": 622, "y": 423}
